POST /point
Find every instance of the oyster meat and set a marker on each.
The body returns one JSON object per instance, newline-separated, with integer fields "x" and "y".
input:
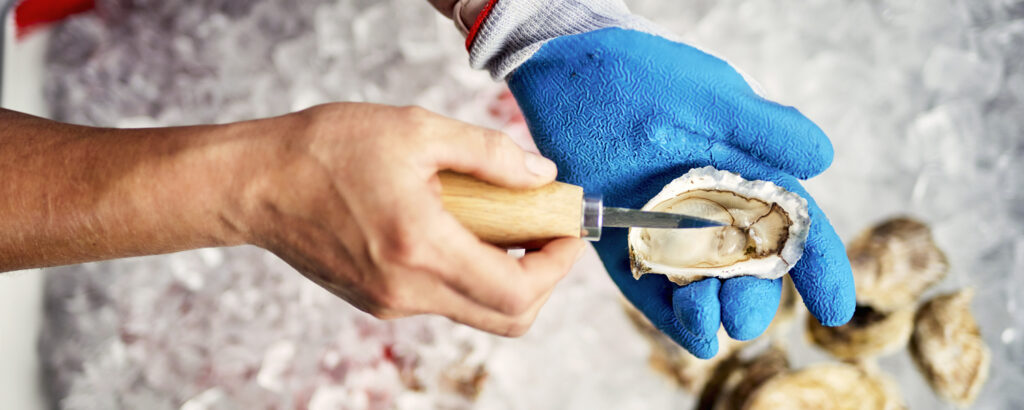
{"x": 827, "y": 386}
{"x": 765, "y": 233}
{"x": 948, "y": 349}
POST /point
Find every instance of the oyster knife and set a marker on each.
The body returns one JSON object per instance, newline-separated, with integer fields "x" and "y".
{"x": 526, "y": 218}
{"x": 626, "y": 218}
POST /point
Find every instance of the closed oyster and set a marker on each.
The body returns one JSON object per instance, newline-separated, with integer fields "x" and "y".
{"x": 765, "y": 232}
{"x": 894, "y": 262}
{"x": 692, "y": 373}
{"x": 736, "y": 380}
{"x": 869, "y": 333}
{"x": 825, "y": 386}
{"x": 948, "y": 349}
{"x": 670, "y": 359}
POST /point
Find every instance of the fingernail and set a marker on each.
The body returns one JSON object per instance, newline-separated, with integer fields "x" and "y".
{"x": 539, "y": 165}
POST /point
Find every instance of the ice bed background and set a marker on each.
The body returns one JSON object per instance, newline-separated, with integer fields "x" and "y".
{"x": 923, "y": 100}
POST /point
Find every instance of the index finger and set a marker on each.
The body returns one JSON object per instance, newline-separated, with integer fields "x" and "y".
{"x": 489, "y": 276}
{"x": 780, "y": 136}
{"x": 489, "y": 155}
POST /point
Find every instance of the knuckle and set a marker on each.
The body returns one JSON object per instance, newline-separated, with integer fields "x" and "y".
{"x": 402, "y": 250}
{"x": 388, "y": 300}
{"x": 498, "y": 144}
{"x": 515, "y": 304}
{"x": 384, "y": 314}
{"x": 500, "y": 149}
{"x": 410, "y": 255}
{"x": 381, "y": 312}
{"x": 518, "y": 327}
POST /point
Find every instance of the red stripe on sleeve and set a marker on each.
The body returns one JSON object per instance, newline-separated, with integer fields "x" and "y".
{"x": 479, "y": 22}
{"x": 30, "y": 14}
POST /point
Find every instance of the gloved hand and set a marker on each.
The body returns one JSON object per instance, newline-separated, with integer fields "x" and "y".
{"x": 624, "y": 112}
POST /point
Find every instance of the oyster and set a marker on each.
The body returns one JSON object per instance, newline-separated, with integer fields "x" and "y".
{"x": 826, "y": 386}
{"x": 735, "y": 380}
{"x": 894, "y": 262}
{"x": 767, "y": 226}
{"x": 948, "y": 349}
{"x": 670, "y": 359}
{"x": 692, "y": 373}
{"x": 869, "y": 333}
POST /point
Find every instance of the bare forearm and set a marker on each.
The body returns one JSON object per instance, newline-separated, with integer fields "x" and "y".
{"x": 348, "y": 194}
{"x": 73, "y": 194}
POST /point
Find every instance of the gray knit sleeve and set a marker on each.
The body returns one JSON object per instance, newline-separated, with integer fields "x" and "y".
{"x": 513, "y": 30}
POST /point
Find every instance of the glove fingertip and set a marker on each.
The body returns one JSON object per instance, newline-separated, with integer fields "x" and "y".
{"x": 701, "y": 348}
{"x": 783, "y": 137}
{"x": 838, "y": 311}
{"x": 749, "y": 305}
{"x": 697, "y": 308}
{"x": 817, "y": 150}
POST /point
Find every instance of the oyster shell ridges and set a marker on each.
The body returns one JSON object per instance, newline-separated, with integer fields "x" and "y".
{"x": 948, "y": 349}
{"x": 894, "y": 262}
{"x": 870, "y": 333}
{"x": 827, "y": 386}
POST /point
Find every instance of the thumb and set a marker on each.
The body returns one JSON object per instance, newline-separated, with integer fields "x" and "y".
{"x": 492, "y": 156}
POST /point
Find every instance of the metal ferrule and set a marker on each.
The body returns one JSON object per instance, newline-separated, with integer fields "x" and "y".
{"x": 592, "y": 215}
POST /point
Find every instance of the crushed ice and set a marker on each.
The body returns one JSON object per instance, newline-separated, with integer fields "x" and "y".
{"x": 922, "y": 100}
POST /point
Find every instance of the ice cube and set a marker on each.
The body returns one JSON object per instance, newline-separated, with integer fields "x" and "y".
{"x": 954, "y": 73}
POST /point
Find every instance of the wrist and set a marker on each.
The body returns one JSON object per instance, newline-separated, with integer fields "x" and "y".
{"x": 190, "y": 183}
{"x": 275, "y": 167}
{"x": 243, "y": 161}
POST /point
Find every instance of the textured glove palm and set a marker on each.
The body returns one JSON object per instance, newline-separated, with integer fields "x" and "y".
{"x": 624, "y": 112}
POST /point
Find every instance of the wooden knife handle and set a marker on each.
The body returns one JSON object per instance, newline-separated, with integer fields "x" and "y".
{"x": 509, "y": 217}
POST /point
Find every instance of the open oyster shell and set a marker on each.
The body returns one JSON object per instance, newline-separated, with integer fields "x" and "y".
{"x": 765, "y": 236}
{"x": 894, "y": 262}
{"x": 837, "y": 386}
{"x": 948, "y": 349}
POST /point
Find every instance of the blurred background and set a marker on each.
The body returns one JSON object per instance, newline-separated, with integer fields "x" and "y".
{"x": 923, "y": 100}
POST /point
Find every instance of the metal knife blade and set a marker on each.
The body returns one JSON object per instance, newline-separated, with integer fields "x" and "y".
{"x": 625, "y": 218}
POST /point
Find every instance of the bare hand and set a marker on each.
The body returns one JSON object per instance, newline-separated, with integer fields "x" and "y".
{"x": 348, "y": 195}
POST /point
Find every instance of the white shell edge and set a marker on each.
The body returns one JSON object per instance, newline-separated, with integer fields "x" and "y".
{"x": 772, "y": 267}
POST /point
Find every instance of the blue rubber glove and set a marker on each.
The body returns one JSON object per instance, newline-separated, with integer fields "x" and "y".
{"x": 624, "y": 112}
